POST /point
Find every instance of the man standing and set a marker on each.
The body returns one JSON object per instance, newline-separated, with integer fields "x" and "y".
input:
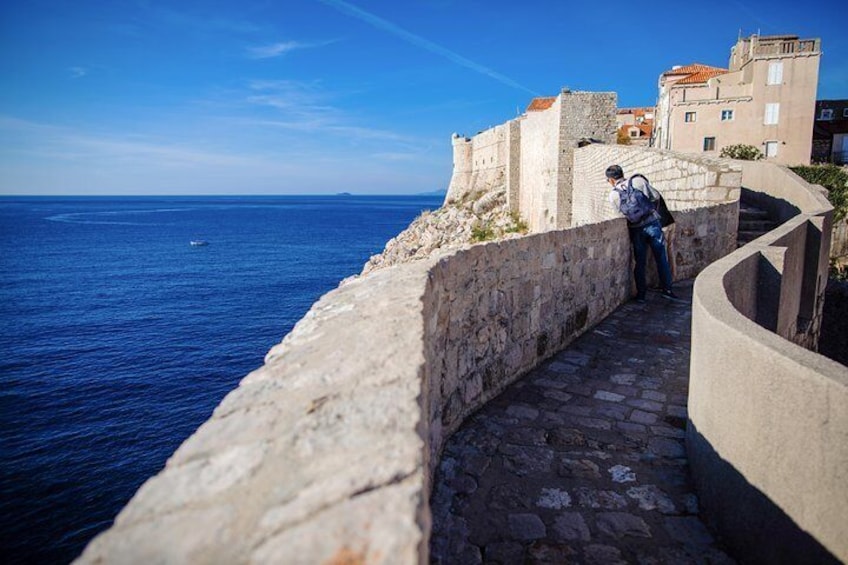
{"x": 636, "y": 200}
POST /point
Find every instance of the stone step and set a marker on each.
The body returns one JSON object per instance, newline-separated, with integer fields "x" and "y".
{"x": 756, "y": 225}
{"x": 748, "y": 212}
{"x": 753, "y": 222}
{"x": 744, "y": 236}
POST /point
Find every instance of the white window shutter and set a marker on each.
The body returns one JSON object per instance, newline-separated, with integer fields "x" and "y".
{"x": 775, "y": 73}
{"x": 772, "y": 115}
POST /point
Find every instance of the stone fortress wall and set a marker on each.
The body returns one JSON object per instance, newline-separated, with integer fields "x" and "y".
{"x": 326, "y": 453}
{"x": 532, "y": 157}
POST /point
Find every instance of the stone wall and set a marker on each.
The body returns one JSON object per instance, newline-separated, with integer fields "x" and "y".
{"x": 585, "y": 117}
{"x": 685, "y": 181}
{"x": 768, "y": 419}
{"x": 539, "y": 168}
{"x": 480, "y": 163}
{"x": 496, "y": 310}
{"x": 326, "y": 453}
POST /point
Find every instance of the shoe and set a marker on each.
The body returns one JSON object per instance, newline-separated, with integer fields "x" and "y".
{"x": 669, "y": 295}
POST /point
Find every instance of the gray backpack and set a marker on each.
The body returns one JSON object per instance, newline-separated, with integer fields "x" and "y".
{"x": 633, "y": 203}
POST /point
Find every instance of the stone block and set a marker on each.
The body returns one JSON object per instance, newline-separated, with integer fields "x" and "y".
{"x": 570, "y": 526}
{"x": 524, "y": 527}
{"x": 621, "y": 524}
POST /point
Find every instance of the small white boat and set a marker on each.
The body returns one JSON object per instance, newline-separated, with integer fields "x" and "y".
{"x": 199, "y": 242}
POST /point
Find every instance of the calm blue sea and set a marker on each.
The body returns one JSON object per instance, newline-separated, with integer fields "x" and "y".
{"x": 118, "y": 338}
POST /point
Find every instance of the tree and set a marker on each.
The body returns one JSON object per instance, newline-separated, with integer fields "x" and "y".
{"x": 741, "y": 151}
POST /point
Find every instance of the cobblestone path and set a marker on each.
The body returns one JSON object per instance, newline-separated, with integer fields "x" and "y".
{"x": 582, "y": 460}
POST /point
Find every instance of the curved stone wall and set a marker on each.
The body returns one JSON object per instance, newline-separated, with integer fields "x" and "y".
{"x": 768, "y": 430}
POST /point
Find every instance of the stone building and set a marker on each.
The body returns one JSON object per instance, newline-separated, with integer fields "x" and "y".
{"x": 766, "y": 98}
{"x": 830, "y": 132}
{"x": 531, "y": 157}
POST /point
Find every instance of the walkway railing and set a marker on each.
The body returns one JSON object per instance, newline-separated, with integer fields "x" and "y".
{"x": 768, "y": 432}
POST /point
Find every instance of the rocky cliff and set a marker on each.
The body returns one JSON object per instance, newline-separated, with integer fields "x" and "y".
{"x": 477, "y": 217}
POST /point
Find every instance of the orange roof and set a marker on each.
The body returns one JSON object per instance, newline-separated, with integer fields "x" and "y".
{"x": 702, "y": 76}
{"x": 696, "y": 73}
{"x": 689, "y": 69}
{"x": 636, "y": 111}
{"x": 541, "y": 103}
{"x": 644, "y": 128}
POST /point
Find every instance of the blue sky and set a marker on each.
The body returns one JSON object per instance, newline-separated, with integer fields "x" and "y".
{"x": 325, "y": 96}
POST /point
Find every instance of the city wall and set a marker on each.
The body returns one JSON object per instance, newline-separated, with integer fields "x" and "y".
{"x": 326, "y": 453}
{"x": 768, "y": 431}
{"x": 532, "y": 157}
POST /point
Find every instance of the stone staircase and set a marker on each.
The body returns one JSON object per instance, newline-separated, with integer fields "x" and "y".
{"x": 753, "y": 222}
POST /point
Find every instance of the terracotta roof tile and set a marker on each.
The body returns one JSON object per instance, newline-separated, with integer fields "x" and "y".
{"x": 541, "y": 103}
{"x": 696, "y": 73}
{"x": 693, "y": 68}
{"x": 702, "y": 76}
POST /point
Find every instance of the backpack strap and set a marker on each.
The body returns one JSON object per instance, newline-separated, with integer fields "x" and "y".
{"x": 653, "y": 194}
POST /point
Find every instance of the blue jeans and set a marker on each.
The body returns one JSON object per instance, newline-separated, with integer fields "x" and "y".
{"x": 650, "y": 234}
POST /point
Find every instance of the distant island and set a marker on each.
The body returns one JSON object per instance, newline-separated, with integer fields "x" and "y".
{"x": 441, "y": 193}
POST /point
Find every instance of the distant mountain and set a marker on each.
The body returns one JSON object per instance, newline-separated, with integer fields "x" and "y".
{"x": 433, "y": 193}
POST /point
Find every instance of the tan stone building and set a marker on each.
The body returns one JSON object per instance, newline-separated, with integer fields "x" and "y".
{"x": 766, "y": 98}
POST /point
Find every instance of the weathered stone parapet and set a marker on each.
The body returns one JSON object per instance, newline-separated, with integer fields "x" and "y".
{"x": 768, "y": 431}
{"x": 318, "y": 456}
{"x": 685, "y": 181}
{"x": 496, "y": 310}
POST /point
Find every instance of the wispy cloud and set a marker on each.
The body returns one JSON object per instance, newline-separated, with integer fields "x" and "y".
{"x": 283, "y": 47}
{"x": 77, "y": 72}
{"x": 201, "y": 24}
{"x": 273, "y": 50}
{"x": 305, "y": 106}
{"x": 39, "y": 158}
{"x": 423, "y": 43}
{"x": 303, "y": 100}
{"x": 63, "y": 143}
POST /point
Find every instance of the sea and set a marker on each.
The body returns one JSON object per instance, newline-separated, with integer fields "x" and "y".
{"x": 118, "y": 337}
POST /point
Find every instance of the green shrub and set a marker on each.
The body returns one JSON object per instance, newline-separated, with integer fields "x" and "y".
{"x": 834, "y": 179}
{"x": 741, "y": 151}
{"x": 518, "y": 225}
{"x": 838, "y": 272}
{"x": 481, "y": 232}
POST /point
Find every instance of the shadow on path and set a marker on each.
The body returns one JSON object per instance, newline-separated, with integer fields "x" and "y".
{"x": 582, "y": 460}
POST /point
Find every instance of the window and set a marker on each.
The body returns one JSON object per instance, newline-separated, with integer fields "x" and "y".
{"x": 634, "y": 133}
{"x": 775, "y": 73}
{"x": 826, "y": 114}
{"x": 771, "y": 149}
{"x": 772, "y": 114}
{"x": 845, "y": 112}
{"x": 689, "y": 117}
{"x": 726, "y": 115}
{"x": 709, "y": 144}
